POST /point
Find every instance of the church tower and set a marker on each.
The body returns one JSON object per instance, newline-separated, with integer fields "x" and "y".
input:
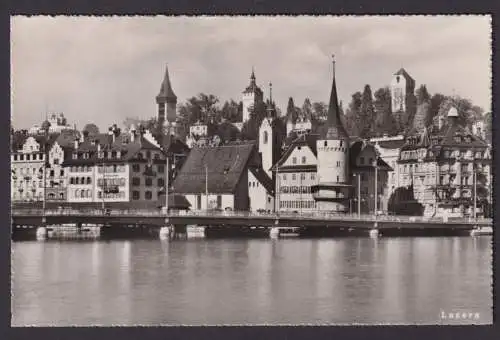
{"x": 332, "y": 191}
{"x": 251, "y": 96}
{"x": 167, "y": 102}
{"x": 266, "y": 137}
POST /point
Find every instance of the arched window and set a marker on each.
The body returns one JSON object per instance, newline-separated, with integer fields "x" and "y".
{"x": 83, "y": 193}
{"x": 82, "y": 180}
{"x": 265, "y": 137}
{"x": 89, "y": 180}
{"x": 77, "y": 193}
{"x": 88, "y": 192}
{"x": 61, "y": 195}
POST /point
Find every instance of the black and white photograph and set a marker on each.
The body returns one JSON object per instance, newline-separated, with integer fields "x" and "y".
{"x": 251, "y": 170}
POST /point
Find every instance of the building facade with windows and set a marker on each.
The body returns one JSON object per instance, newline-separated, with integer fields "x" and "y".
{"x": 448, "y": 167}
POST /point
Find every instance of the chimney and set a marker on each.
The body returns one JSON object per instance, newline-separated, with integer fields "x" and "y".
{"x": 77, "y": 142}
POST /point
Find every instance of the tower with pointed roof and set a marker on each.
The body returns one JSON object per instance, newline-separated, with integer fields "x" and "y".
{"x": 332, "y": 191}
{"x": 251, "y": 96}
{"x": 402, "y": 91}
{"x": 266, "y": 136}
{"x": 167, "y": 101}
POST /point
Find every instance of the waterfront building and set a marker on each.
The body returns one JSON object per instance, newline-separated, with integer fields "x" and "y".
{"x": 402, "y": 92}
{"x": 252, "y": 95}
{"x": 223, "y": 176}
{"x": 38, "y": 158}
{"x": 296, "y": 174}
{"x": 331, "y": 193}
{"x": 388, "y": 148}
{"x": 117, "y": 168}
{"x": 363, "y": 156}
{"x": 448, "y": 167}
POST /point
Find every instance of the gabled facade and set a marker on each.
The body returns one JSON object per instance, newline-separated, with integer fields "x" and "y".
{"x": 216, "y": 177}
{"x": 296, "y": 175}
{"x": 445, "y": 164}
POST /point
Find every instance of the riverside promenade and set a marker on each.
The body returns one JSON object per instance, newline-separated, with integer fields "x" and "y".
{"x": 307, "y": 222}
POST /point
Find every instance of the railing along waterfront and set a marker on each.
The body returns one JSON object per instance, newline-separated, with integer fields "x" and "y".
{"x": 316, "y": 215}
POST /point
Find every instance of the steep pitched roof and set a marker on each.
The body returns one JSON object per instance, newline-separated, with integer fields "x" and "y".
{"x": 252, "y": 88}
{"x": 263, "y": 178}
{"x": 166, "y": 92}
{"x": 335, "y": 128}
{"x": 402, "y": 72}
{"x": 225, "y": 165}
{"x": 307, "y": 139}
{"x": 354, "y": 151}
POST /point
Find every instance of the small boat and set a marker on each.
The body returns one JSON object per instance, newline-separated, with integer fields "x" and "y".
{"x": 481, "y": 231}
{"x": 289, "y": 232}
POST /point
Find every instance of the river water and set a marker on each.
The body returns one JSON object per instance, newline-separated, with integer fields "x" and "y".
{"x": 253, "y": 281}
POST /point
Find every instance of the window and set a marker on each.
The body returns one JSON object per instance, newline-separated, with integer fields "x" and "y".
{"x": 265, "y": 137}
{"x": 284, "y": 177}
{"x": 268, "y": 199}
{"x": 136, "y": 168}
{"x": 27, "y": 157}
{"x": 303, "y": 159}
{"x": 371, "y": 161}
{"x": 161, "y": 169}
{"x": 156, "y": 156}
{"x": 15, "y": 157}
{"x": 135, "y": 195}
{"x": 161, "y": 182}
{"x": 149, "y": 182}
{"x": 294, "y": 160}
{"x": 136, "y": 181}
{"x": 148, "y": 195}
{"x": 77, "y": 193}
{"x": 72, "y": 180}
{"x": 21, "y": 157}
{"x": 341, "y": 142}
{"x": 89, "y": 181}
{"x": 51, "y": 173}
{"x": 148, "y": 154}
{"x": 114, "y": 167}
{"x": 198, "y": 201}
{"x": 249, "y": 184}
{"x": 325, "y": 143}
{"x": 302, "y": 176}
{"x": 337, "y": 179}
{"x": 313, "y": 176}
{"x": 61, "y": 173}
{"x": 61, "y": 195}
{"x": 219, "y": 201}
{"x": 294, "y": 177}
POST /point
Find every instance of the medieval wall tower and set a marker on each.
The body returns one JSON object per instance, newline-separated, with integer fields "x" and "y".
{"x": 167, "y": 103}
{"x": 332, "y": 191}
{"x": 251, "y": 96}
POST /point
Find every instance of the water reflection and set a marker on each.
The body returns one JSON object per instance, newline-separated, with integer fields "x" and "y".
{"x": 152, "y": 282}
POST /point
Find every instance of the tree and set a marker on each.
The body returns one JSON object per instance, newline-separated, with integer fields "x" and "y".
{"x": 488, "y": 127}
{"x": 319, "y": 110}
{"x": 291, "y": 110}
{"x": 366, "y": 119}
{"x": 227, "y": 132}
{"x": 384, "y": 120}
{"x": 436, "y": 101}
{"x": 230, "y": 111}
{"x": 307, "y": 109}
{"x": 467, "y": 112}
{"x": 422, "y": 116}
{"x": 402, "y": 202}
{"x": 92, "y": 129}
{"x": 353, "y": 115}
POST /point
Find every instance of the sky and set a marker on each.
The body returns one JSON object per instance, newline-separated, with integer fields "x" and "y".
{"x": 105, "y": 69}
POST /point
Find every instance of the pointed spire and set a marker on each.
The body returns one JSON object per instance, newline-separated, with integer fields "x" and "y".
{"x": 166, "y": 92}
{"x": 270, "y": 92}
{"x": 336, "y": 129}
{"x": 252, "y": 77}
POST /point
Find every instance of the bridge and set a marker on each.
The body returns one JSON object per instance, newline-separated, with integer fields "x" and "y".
{"x": 317, "y": 219}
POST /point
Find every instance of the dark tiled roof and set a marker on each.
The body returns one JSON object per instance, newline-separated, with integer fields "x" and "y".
{"x": 166, "y": 92}
{"x": 402, "y": 72}
{"x": 225, "y": 164}
{"x": 334, "y": 124}
{"x": 263, "y": 178}
{"x": 293, "y": 141}
{"x": 391, "y": 144}
{"x": 253, "y": 88}
{"x": 356, "y": 149}
{"x": 122, "y": 143}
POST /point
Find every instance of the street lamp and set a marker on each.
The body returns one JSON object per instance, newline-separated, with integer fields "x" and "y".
{"x": 359, "y": 193}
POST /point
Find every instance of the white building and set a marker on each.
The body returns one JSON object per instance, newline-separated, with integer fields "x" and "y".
{"x": 402, "y": 88}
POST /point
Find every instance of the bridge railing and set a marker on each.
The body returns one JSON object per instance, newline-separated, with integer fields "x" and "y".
{"x": 316, "y": 215}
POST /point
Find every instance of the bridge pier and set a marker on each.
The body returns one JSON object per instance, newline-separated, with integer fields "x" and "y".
{"x": 41, "y": 230}
{"x": 165, "y": 232}
{"x": 374, "y": 233}
{"x": 274, "y": 232}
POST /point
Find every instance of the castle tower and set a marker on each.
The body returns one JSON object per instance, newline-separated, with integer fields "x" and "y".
{"x": 251, "y": 96}
{"x": 402, "y": 91}
{"x": 266, "y": 137}
{"x": 332, "y": 191}
{"x": 167, "y": 101}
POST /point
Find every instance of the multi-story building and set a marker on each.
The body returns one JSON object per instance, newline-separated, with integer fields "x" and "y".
{"x": 448, "y": 167}
{"x": 388, "y": 148}
{"x": 37, "y": 159}
{"x": 117, "y": 168}
{"x": 369, "y": 173}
